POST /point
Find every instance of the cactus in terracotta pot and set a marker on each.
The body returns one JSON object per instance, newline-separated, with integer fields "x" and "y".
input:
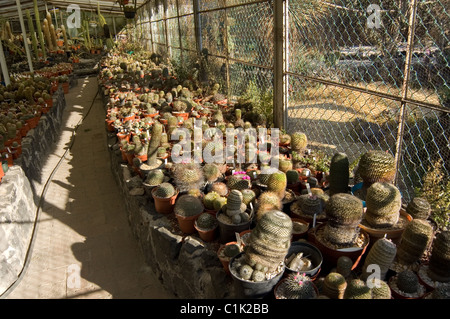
{"x": 206, "y": 221}
{"x": 155, "y": 177}
{"x": 188, "y": 205}
{"x": 344, "y": 213}
{"x": 188, "y": 176}
{"x": 408, "y": 281}
{"x": 419, "y": 208}
{"x": 383, "y": 202}
{"x": 414, "y": 241}
{"x": 165, "y": 190}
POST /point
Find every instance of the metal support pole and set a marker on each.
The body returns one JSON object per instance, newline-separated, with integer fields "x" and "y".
{"x": 4, "y": 65}
{"x": 179, "y": 31}
{"x": 278, "y": 94}
{"x": 166, "y": 29}
{"x": 407, "y": 74}
{"x": 198, "y": 26}
{"x": 227, "y": 60}
{"x": 286, "y": 63}
{"x": 25, "y": 38}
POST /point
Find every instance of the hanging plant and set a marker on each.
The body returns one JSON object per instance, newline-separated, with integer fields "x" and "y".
{"x": 128, "y": 10}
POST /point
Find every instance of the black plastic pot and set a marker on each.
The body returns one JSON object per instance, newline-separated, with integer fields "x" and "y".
{"x": 251, "y": 289}
{"x": 309, "y": 250}
{"x": 129, "y": 14}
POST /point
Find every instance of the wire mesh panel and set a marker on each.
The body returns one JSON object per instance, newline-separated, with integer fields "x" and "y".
{"x": 213, "y": 29}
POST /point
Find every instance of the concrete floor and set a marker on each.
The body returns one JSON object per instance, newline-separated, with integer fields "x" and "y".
{"x": 83, "y": 246}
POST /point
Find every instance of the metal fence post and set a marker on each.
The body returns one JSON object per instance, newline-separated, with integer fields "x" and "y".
{"x": 166, "y": 29}
{"x": 405, "y": 86}
{"x": 278, "y": 91}
{"x": 198, "y": 26}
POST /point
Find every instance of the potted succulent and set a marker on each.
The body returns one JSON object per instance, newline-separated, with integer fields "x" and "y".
{"x": 296, "y": 286}
{"x": 164, "y": 196}
{"x": 406, "y": 285}
{"x": 187, "y": 209}
{"x": 206, "y": 226}
{"x": 228, "y": 251}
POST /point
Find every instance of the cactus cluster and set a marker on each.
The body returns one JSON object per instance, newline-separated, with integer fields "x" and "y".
{"x": 209, "y": 200}
{"x": 235, "y": 209}
{"x": 298, "y": 286}
{"x": 439, "y": 263}
{"x": 188, "y": 205}
{"x": 414, "y": 241}
{"x": 383, "y": 201}
{"x": 344, "y": 213}
{"x": 269, "y": 241}
{"x": 419, "y": 208}
{"x": 339, "y": 174}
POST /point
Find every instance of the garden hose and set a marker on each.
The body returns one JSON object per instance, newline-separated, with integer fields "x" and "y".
{"x": 41, "y": 200}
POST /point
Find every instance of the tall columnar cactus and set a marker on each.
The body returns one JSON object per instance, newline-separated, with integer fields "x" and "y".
{"x": 439, "y": 263}
{"x": 48, "y": 38}
{"x": 66, "y": 41}
{"x": 357, "y": 289}
{"x": 376, "y": 166}
{"x": 408, "y": 281}
{"x": 414, "y": 241}
{"x": 155, "y": 142}
{"x": 299, "y": 142}
{"x": 235, "y": 208}
{"x": 382, "y": 254}
{"x": 269, "y": 241}
{"x": 32, "y": 33}
{"x": 334, "y": 285}
{"x": 339, "y": 173}
{"x": 38, "y": 28}
{"x": 419, "y": 208}
{"x": 383, "y": 202}
{"x": 277, "y": 183}
{"x": 298, "y": 286}
{"x": 344, "y": 213}
{"x": 188, "y": 205}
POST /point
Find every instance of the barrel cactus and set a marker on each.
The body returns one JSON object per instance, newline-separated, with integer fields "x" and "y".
{"x": 298, "y": 286}
{"x": 408, "y": 281}
{"x": 334, "y": 285}
{"x": 419, "y": 208}
{"x": 383, "y": 201}
{"x": 311, "y": 205}
{"x": 277, "y": 183}
{"x": 269, "y": 241}
{"x": 357, "y": 289}
{"x": 211, "y": 172}
{"x": 299, "y": 142}
{"x": 206, "y": 221}
{"x": 339, "y": 174}
{"x": 414, "y": 241}
{"x": 439, "y": 263}
{"x": 382, "y": 253}
{"x": 209, "y": 199}
{"x": 188, "y": 205}
{"x": 248, "y": 196}
{"x": 292, "y": 177}
{"x": 285, "y": 164}
{"x": 165, "y": 190}
{"x": 344, "y": 213}
{"x": 379, "y": 288}
{"x": 188, "y": 176}
{"x": 376, "y": 166}
{"x": 155, "y": 177}
{"x": 220, "y": 188}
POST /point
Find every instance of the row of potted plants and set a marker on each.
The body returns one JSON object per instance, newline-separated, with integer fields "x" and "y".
{"x": 308, "y": 202}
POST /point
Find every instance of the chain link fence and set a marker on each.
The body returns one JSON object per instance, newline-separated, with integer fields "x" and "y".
{"x": 358, "y": 74}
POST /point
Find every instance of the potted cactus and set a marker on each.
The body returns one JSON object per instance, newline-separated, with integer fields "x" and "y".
{"x": 187, "y": 209}
{"x": 228, "y": 251}
{"x": 334, "y": 285}
{"x": 339, "y": 174}
{"x": 259, "y": 268}
{"x": 296, "y": 286}
{"x": 165, "y": 196}
{"x": 206, "y": 226}
{"x": 406, "y": 285}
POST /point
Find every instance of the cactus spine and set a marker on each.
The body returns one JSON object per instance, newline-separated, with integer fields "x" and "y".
{"x": 439, "y": 263}
{"x": 414, "y": 241}
{"x": 383, "y": 201}
{"x": 357, "y": 289}
{"x": 339, "y": 174}
{"x": 382, "y": 253}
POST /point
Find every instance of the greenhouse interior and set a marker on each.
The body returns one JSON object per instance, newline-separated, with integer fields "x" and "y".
{"x": 271, "y": 119}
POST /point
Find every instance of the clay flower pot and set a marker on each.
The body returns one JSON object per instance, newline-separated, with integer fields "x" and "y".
{"x": 164, "y": 205}
{"x": 187, "y": 223}
{"x": 207, "y": 235}
{"x": 224, "y": 259}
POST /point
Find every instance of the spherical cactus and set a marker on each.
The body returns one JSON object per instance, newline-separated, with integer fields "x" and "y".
{"x": 268, "y": 201}
{"x": 357, "y": 289}
{"x": 292, "y": 177}
{"x": 382, "y": 255}
{"x": 439, "y": 263}
{"x": 231, "y": 250}
{"x": 270, "y": 240}
{"x": 414, "y": 241}
{"x": 220, "y": 188}
{"x": 188, "y": 205}
{"x": 209, "y": 199}
{"x": 344, "y": 213}
{"x": 219, "y": 203}
{"x": 238, "y": 181}
{"x": 155, "y": 177}
{"x": 339, "y": 174}
{"x": 211, "y": 172}
{"x": 334, "y": 285}
{"x": 299, "y": 142}
{"x": 298, "y": 286}
{"x": 310, "y": 205}
{"x": 188, "y": 176}
{"x": 376, "y": 166}
{"x": 277, "y": 183}
{"x": 285, "y": 165}
{"x": 379, "y": 288}
{"x": 383, "y": 202}
{"x": 419, "y": 208}
{"x": 407, "y": 281}
{"x": 344, "y": 266}
{"x": 245, "y": 272}
{"x": 206, "y": 221}
{"x": 248, "y": 196}
{"x": 165, "y": 190}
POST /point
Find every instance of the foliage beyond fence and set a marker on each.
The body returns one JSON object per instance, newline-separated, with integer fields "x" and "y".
{"x": 357, "y": 74}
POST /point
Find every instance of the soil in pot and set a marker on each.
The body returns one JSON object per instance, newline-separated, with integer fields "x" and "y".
{"x": 253, "y": 289}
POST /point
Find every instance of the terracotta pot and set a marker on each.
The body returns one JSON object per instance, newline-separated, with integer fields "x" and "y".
{"x": 225, "y": 260}
{"x": 206, "y": 235}
{"x": 65, "y": 87}
{"x": 186, "y": 223}
{"x": 185, "y": 116}
{"x": 245, "y": 234}
{"x": 123, "y": 136}
{"x": 2, "y": 173}
{"x": 392, "y": 234}
{"x": 130, "y": 156}
{"x": 164, "y": 205}
{"x": 330, "y": 255}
